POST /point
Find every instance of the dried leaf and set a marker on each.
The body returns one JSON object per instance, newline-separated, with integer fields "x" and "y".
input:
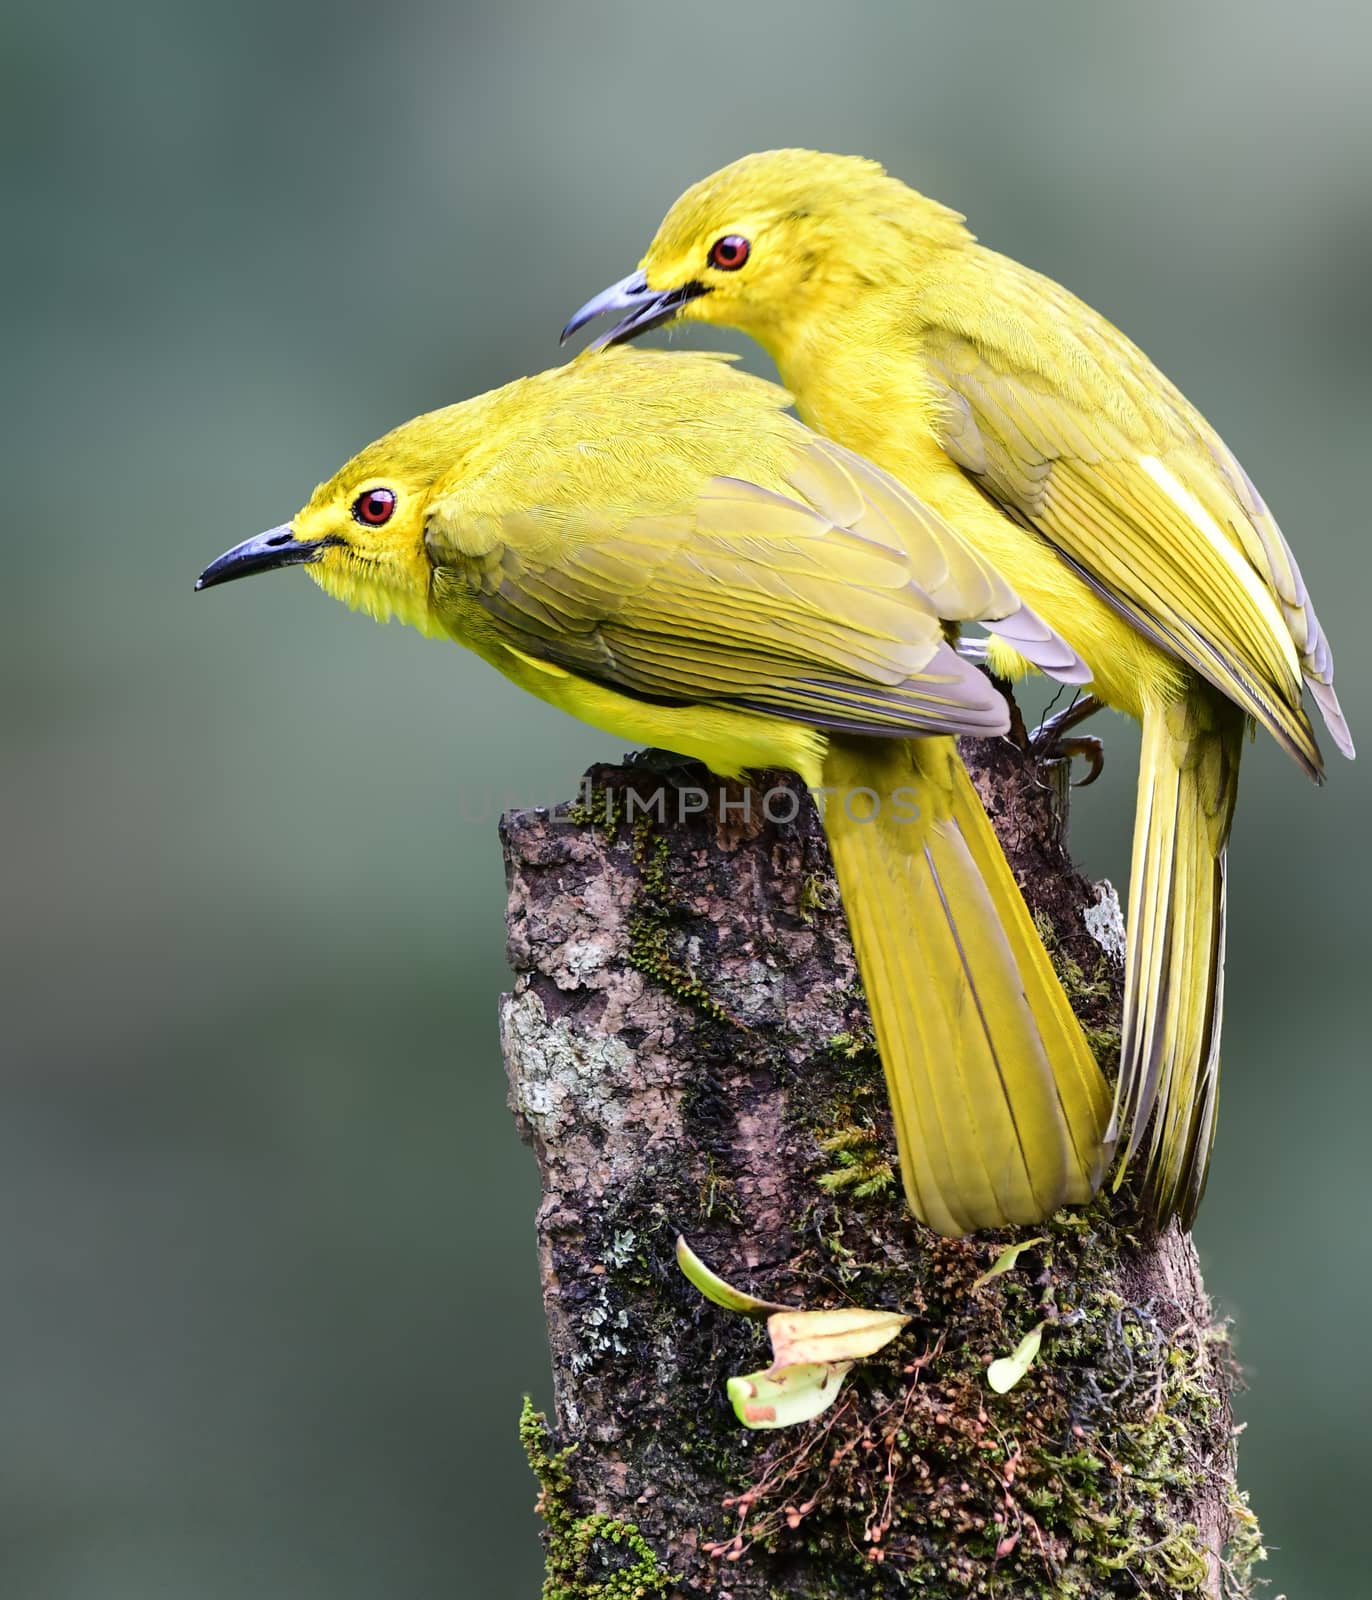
{"x": 1004, "y": 1374}
{"x": 1006, "y": 1259}
{"x": 781, "y": 1397}
{"x": 847, "y": 1334}
{"x": 714, "y": 1288}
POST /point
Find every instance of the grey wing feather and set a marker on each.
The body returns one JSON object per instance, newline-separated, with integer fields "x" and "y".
{"x": 1037, "y": 642}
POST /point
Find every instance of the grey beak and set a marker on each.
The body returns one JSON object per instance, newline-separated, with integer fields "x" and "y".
{"x": 264, "y": 552}
{"x": 647, "y": 308}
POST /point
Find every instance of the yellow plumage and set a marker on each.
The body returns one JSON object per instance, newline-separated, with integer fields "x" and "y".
{"x": 652, "y": 544}
{"x": 1030, "y": 424}
{"x": 955, "y": 974}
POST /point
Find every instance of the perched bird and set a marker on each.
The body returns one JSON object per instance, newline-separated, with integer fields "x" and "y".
{"x": 1053, "y": 445}
{"x": 651, "y": 543}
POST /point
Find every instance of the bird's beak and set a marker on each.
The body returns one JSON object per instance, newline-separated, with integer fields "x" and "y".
{"x": 277, "y": 547}
{"x": 647, "y": 308}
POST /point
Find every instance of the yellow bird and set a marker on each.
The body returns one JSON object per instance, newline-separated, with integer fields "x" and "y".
{"x": 651, "y": 543}
{"x": 1060, "y": 452}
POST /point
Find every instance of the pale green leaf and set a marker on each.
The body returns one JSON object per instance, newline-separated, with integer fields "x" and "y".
{"x": 714, "y": 1288}
{"x": 782, "y": 1397}
{"x": 1004, "y": 1374}
{"x": 1005, "y": 1260}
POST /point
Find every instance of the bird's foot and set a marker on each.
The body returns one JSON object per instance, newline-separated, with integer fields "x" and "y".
{"x": 683, "y": 771}
{"x": 1090, "y": 749}
{"x": 1051, "y": 739}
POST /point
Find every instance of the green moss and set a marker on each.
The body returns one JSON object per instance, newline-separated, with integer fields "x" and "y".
{"x": 817, "y": 893}
{"x": 1244, "y": 1549}
{"x": 861, "y": 1164}
{"x": 858, "y": 1046}
{"x": 590, "y": 1556}
{"x": 1073, "y": 1486}
{"x": 655, "y": 909}
{"x": 716, "y": 1198}
{"x": 1089, "y": 992}
{"x": 849, "y": 1120}
{"x": 595, "y": 808}
{"x": 652, "y": 916}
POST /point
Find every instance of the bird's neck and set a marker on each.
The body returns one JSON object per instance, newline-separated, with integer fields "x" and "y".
{"x": 849, "y": 368}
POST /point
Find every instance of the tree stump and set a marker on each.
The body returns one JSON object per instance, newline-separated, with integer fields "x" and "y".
{"x": 689, "y": 1053}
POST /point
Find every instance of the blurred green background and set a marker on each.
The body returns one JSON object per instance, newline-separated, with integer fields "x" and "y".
{"x": 270, "y": 1299}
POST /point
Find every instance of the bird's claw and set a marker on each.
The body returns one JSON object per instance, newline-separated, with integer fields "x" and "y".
{"x": 1089, "y": 748}
{"x": 1051, "y": 739}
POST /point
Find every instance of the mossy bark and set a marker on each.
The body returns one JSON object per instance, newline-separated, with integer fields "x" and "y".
{"x": 689, "y": 1052}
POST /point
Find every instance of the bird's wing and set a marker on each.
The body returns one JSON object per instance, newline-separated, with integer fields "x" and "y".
{"x": 1078, "y": 436}
{"x": 820, "y": 600}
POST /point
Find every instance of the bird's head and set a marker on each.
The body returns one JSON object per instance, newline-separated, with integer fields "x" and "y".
{"x": 770, "y": 241}
{"x": 361, "y": 536}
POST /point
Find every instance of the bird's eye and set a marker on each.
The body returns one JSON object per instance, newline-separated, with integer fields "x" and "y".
{"x": 730, "y": 252}
{"x": 374, "y": 506}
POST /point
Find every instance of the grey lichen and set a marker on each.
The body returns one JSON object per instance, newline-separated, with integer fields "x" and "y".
{"x": 562, "y": 1067}
{"x": 1105, "y": 920}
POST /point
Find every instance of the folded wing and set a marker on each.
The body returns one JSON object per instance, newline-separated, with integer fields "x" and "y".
{"x": 1080, "y": 437}
{"x": 820, "y": 597}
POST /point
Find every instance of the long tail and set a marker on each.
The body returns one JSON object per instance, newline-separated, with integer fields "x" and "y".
{"x": 1174, "y": 983}
{"x": 999, "y": 1106}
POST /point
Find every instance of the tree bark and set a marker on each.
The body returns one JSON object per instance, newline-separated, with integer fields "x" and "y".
{"x": 689, "y": 1053}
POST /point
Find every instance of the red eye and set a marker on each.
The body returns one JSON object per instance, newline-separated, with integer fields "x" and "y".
{"x": 374, "y": 507}
{"x": 730, "y": 252}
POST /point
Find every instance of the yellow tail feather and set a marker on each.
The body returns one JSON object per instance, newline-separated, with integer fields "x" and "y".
{"x": 999, "y": 1105}
{"x": 1174, "y": 983}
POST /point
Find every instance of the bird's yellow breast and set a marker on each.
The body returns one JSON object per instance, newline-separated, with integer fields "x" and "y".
{"x": 729, "y": 742}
